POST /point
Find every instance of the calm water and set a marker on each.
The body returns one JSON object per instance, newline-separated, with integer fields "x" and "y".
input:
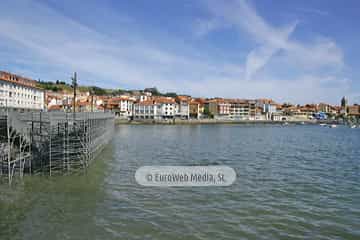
{"x": 294, "y": 182}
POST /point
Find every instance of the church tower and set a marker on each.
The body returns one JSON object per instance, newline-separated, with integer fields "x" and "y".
{"x": 344, "y": 104}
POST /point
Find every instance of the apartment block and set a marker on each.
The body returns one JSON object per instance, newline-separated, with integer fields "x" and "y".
{"x": 146, "y": 110}
{"x": 239, "y": 110}
{"x": 18, "y": 92}
{"x": 156, "y": 108}
{"x": 236, "y": 109}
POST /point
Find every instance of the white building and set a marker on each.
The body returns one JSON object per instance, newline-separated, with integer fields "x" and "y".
{"x": 20, "y": 93}
{"x": 146, "y": 110}
{"x": 269, "y": 110}
{"x": 121, "y": 106}
{"x": 168, "y": 107}
{"x": 156, "y": 108}
{"x": 183, "y": 107}
{"x": 126, "y": 107}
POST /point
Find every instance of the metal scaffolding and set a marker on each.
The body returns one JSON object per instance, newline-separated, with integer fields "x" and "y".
{"x": 51, "y": 143}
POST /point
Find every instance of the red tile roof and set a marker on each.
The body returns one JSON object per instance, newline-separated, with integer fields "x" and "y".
{"x": 17, "y": 79}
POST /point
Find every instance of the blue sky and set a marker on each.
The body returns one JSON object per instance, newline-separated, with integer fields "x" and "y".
{"x": 297, "y": 51}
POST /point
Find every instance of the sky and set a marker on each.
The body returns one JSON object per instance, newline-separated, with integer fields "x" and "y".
{"x": 290, "y": 51}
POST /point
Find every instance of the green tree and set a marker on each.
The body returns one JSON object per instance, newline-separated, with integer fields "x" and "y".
{"x": 208, "y": 113}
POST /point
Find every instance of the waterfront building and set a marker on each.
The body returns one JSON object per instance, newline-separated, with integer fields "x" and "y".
{"x": 168, "y": 107}
{"x": 269, "y": 109}
{"x": 279, "y": 116}
{"x": 353, "y": 110}
{"x": 197, "y": 108}
{"x": 218, "y": 107}
{"x": 126, "y": 106}
{"x": 183, "y": 108}
{"x": 201, "y": 102}
{"x": 155, "y": 108}
{"x": 308, "y": 110}
{"x": 21, "y": 93}
{"x": 289, "y": 110}
{"x": 194, "y": 109}
{"x": 242, "y": 109}
{"x": 146, "y": 110}
{"x": 122, "y": 106}
{"x": 252, "y": 109}
{"x": 239, "y": 110}
{"x": 260, "y": 102}
{"x": 232, "y": 109}
{"x": 259, "y": 115}
{"x": 298, "y": 112}
{"x": 223, "y": 108}
{"x": 211, "y": 107}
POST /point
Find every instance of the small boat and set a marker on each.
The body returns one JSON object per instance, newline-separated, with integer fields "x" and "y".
{"x": 322, "y": 124}
{"x": 333, "y": 126}
{"x": 353, "y": 126}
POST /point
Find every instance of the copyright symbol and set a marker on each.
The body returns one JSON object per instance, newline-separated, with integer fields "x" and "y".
{"x": 149, "y": 177}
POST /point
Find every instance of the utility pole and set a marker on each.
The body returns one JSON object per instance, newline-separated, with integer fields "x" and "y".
{"x": 92, "y": 100}
{"x": 92, "y": 103}
{"x": 74, "y": 85}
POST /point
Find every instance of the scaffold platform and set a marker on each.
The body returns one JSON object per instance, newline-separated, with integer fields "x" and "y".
{"x": 50, "y": 143}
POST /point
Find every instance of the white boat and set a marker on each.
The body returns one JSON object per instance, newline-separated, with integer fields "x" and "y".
{"x": 333, "y": 126}
{"x": 353, "y": 126}
{"x": 323, "y": 124}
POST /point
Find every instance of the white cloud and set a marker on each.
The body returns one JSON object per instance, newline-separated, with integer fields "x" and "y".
{"x": 271, "y": 40}
{"x": 64, "y": 42}
{"x": 55, "y": 41}
{"x": 301, "y": 89}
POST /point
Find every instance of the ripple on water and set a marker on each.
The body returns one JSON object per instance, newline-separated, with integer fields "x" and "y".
{"x": 292, "y": 182}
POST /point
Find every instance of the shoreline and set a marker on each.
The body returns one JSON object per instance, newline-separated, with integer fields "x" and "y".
{"x": 119, "y": 121}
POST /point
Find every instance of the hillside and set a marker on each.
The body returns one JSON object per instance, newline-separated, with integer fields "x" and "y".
{"x": 60, "y": 86}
